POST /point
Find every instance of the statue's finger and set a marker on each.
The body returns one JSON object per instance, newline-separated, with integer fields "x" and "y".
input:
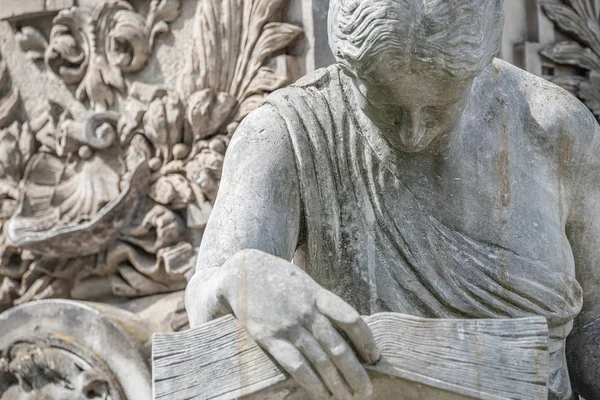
{"x": 342, "y": 355}
{"x": 292, "y": 360}
{"x": 348, "y": 320}
{"x": 320, "y": 360}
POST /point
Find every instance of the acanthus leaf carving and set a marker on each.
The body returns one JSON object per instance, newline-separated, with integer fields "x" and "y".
{"x": 161, "y": 13}
{"x": 115, "y": 204}
{"x": 581, "y": 21}
{"x": 9, "y": 97}
{"x": 236, "y": 71}
{"x": 93, "y": 48}
{"x": 32, "y": 42}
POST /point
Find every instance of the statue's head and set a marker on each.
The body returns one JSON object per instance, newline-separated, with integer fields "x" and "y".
{"x": 413, "y": 61}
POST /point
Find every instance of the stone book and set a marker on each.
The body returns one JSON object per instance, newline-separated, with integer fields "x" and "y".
{"x": 439, "y": 359}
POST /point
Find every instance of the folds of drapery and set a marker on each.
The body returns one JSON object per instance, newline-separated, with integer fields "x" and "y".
{"x": 370, "y": 241}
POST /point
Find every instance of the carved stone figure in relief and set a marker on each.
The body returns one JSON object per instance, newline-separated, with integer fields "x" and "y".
{"x": 417, "y": 175}
{"x": 113, "y": 204}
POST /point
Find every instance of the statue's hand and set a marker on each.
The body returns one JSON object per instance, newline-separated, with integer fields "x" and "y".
{"x": 295, "y": 320}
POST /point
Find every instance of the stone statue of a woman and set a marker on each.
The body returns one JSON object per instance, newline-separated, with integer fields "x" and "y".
{"x": 418, "y": 175}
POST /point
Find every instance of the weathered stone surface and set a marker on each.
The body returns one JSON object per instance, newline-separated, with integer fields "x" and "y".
{"x": 75, "y": 350}
{"x": 114, "y": 120}
{"x": 580, "y": 49}
{"x": 558, "y": 40}
{"x": 90, "y": 221}
{"x": 27, "y": 79}
{"x": 111, "y": 179}
{"x": 108, "y": 173}
{"x": 63, "y": 349}
{"x": 17, "y": 8}
{"x": 420, "y": 176}
{"x": 420, "y": 359}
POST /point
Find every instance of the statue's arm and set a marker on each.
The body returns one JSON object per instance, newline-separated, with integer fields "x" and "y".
{"x": 583, "y": 232}
{"x": 258, "y": 206}
{"x": 243, "y": 268}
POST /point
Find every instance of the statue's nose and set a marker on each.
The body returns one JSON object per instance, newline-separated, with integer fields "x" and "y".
{"x": 412, "y": 128}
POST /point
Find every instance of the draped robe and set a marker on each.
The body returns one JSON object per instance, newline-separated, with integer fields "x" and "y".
{"x": 370, "y": 241}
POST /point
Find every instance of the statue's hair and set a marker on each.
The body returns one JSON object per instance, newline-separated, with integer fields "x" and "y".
{"x": 452, "y": 38}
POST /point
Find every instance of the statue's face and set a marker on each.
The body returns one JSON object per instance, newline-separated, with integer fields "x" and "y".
{"x": 411, "y": 110}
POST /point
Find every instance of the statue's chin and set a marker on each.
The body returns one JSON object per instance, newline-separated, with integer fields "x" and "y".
{"x": 414, "y": 142}
{"x": 417, "y": 147}
{"x": 411, "y": 149}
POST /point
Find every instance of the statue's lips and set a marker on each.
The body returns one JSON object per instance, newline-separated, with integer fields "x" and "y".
{"x": 81, "y": 239}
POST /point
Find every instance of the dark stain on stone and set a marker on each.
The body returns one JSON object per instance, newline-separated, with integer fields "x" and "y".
{"x": 504, "y": 168}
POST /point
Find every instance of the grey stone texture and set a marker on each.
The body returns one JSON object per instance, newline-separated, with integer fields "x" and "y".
{"x": 439, "y": 359}
{"x": 114, "y": 120}
{"x": 114, "y": 150}
{"x": 62, "y": 349}
{"x": 418, "y": 175}
{"x": 111, "y": 156}
{"x": 16, "y": 9}
{"x": 95, "y": 354}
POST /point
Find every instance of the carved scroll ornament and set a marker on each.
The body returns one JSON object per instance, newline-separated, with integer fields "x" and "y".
{"x": 115, "y": 205}
{"x": 92, "y": 48}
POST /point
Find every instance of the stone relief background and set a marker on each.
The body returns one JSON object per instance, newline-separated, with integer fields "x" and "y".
{"x": 559, "y": 40}
{"x": 106, "y": 194}
{"x": 114, "y": 120}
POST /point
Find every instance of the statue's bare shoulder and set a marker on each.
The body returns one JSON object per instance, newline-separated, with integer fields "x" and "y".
{"x": 558, "y": 125}
{"x": 565, "y": 136}
{"x": 262, "y": 132}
